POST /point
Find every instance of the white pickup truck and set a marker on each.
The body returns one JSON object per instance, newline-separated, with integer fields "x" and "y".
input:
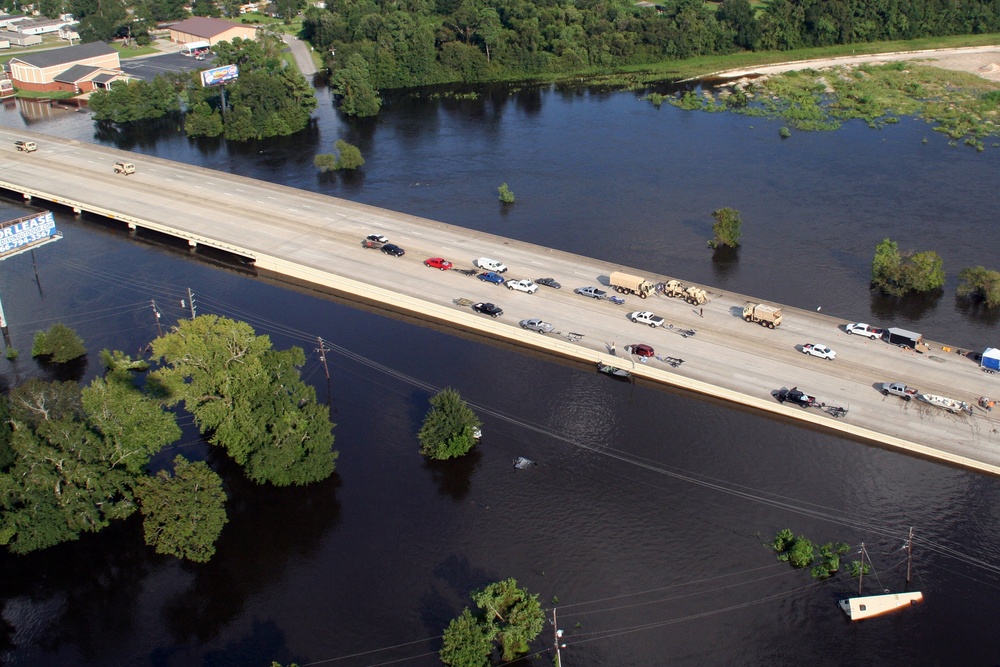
{"x": 898, "y": 389}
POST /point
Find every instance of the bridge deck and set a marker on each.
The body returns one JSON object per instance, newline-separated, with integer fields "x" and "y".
{"x": 316, "y": 238}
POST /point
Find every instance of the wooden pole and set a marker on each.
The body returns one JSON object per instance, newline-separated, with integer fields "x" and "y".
{"x": 909, "y": 554}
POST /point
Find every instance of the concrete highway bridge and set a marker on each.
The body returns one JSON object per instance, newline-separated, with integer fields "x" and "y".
{"x": 304, "y": 237}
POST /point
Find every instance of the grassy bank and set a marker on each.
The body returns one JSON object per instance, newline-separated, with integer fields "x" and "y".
{"x": 702, "y": 66}
{"x": 961, "y": 105}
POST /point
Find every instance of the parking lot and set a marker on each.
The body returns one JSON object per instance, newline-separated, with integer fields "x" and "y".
{"x": 147, "y": 68}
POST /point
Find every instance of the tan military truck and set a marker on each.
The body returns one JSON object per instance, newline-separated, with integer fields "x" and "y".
{"x": 674, "y": 288}
{"x": 26, "y": 146}
{"x": 766, "y": 316}
{"x": 624, "y": 283}
{"x": 124, "y": 168}
{"x": 696, "y": 296}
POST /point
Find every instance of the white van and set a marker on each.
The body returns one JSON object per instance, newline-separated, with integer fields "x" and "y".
{"x": 488, "y": 264}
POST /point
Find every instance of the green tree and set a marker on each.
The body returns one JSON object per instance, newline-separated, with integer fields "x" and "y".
{"x": 77, "y": 456}
{"x": 203, "y": 121}
{"x": 516, "y": 615}
{"x": 135, "y": 100}
{"x": 358, "y": 96}
{"x": 184, "y": 512}
{"x": 349, "y": 157}
{"x": 741, "y": 17}
{"x": 508, "y": 615}
{"x": 59, "y": 344}
{"x": 450, "y": 427}
{"x": 468, "y": 641}
{"x": 269, "y": 104}
{"x": 896, "y": 274}
{"x": 727, "y": 229}
{"x": 249, "y": 398}
{"x": 506, "y": 196}
{"x": 977, "y": 282}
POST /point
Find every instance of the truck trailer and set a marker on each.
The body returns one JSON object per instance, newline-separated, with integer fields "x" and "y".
{"x": 902, "y": 338}
{"x": 990, "y": 363}
{"x": 625, "y": 283}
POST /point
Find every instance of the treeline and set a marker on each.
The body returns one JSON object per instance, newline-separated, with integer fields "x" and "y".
{"x": 267, "y": 100}
{"x": 419, "y": 42}
{"x": 74, "y": 459}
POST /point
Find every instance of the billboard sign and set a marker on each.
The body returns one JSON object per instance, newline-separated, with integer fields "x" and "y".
{"x": 219, "y": 75}
{"x": 27, "y": 232}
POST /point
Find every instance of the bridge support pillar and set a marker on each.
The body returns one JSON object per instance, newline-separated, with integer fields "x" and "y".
{"x": 132, "y": 229}
{"x": 77, "y": 210}
{"x": 27, "y": 197}
{"x": 192, "y": 246}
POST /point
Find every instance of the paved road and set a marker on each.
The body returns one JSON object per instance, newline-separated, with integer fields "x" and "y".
{"x": 302, "y": 54}
{"x": 322, "y": 234}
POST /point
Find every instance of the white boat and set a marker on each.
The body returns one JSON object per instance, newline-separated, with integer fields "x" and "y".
{"x": 875, "y": 605}
{"x": 866, "y": 606}
{"x": 952, "y": 405}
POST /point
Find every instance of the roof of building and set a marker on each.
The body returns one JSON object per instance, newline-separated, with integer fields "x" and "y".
{"x": 104, "y": 77}
{"x": 76, "y": 73}
{"x": 67, "y": 55}
{"x": 41, "y": 23}
{"x": 203, "y": 26}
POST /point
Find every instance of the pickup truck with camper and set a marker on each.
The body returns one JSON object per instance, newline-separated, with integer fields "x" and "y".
{"x": 763, "y": 314}
{"x": 902, "y": 337}
{"x": 625, "y": 283}
{"x": 990, "y": 362}
{"x": 898, "y": 389}
{"x": 26, "y": 146}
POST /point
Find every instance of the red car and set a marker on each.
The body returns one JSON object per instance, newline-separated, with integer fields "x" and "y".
{"x": 438, "y": 263}
{"x": 639, "y": 350}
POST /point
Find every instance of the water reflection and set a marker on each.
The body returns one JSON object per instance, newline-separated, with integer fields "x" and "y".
{"x": 910, "y": 308}
{"x": 454, "y": 477}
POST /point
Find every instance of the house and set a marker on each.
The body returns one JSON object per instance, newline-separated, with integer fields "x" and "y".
{"x": 213, "y": 31}
{"x": 6, "y": 20}
{"x": 17, "y": 39}
{"x": 40, "y": 26}
{"x": 74, "y": 68}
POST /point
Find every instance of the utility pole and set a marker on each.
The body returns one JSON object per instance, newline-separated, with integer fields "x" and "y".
{"x": 861, "y": 574}
{"x": 190, "y": 302}
{"x": 156, "y": 311}
{"x": 322, "y": 349}
{"x": 557, "y": 634}
{"x": 909, "y": 553}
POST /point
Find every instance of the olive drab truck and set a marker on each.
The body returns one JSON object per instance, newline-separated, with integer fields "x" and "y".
{"x": 766, "y": 316}
{"x": 624, "y": 283}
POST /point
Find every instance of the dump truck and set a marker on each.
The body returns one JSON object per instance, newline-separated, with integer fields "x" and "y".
{"x": 766, "y": 316}
{"x": 902, "y": 338}
{"x": 624, "y": 283}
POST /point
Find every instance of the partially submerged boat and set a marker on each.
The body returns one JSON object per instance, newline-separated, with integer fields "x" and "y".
{"x": 613, "y": 371}
{"x": 952, "y": 405}
{"x": 522, "y": 463}
{"x": 875, "y": 605}
{"x": 867, "y": 606}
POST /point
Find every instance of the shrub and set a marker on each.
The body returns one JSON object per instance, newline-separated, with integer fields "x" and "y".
{"x": 506, "y": 196}
{"x": 60, "y": 344}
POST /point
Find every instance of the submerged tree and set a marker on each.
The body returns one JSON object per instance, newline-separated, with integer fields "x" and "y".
{"x": 450, "y": 427}
{"x": 896, "y": 273}
{"x": 184, "y": 512}
{"x": 249, "y": 398}
{"x": 59, "y": 344}
{"x": 727, "y": 229}
{"x": 358, "y": 96}
{"x": 508, "y": 615}
{"x": 981, "y": 284}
